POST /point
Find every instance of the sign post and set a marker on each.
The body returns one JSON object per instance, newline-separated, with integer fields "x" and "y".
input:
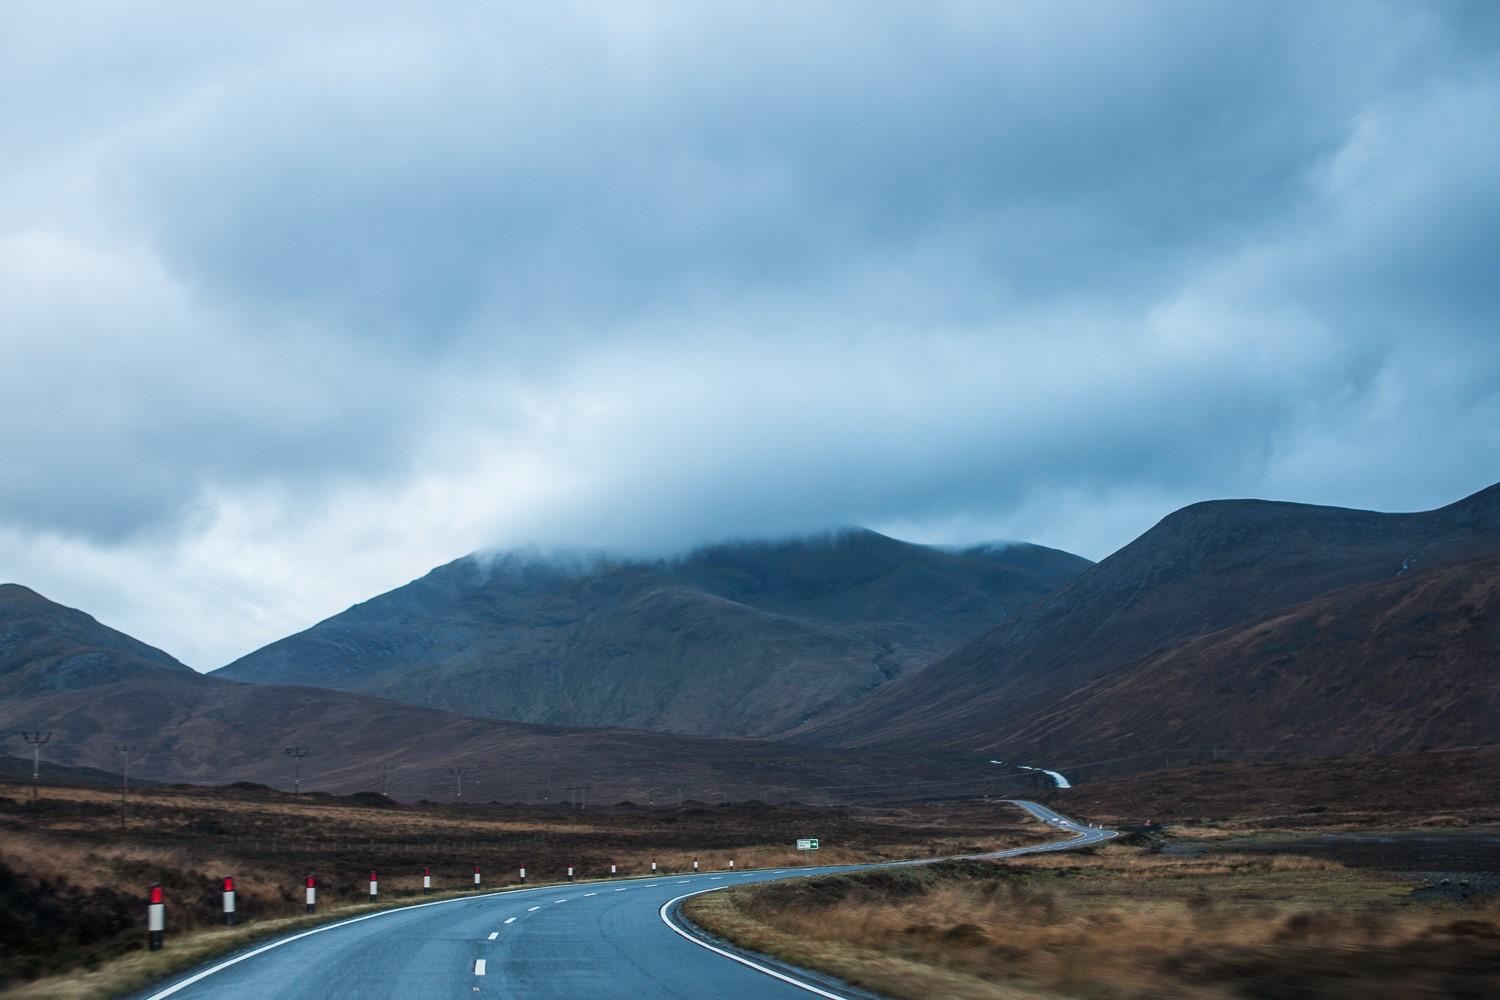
{"x": 807, "y": 844}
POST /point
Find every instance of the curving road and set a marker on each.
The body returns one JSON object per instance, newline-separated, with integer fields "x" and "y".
{"x": 589, "y": 939}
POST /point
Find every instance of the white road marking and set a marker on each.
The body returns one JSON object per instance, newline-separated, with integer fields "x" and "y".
{"x": 510, "y": 920}
{"x": 198, "y": 977}
{"x": 532, "y": 909}
{"x": 563, "y": 900}
{"x": 684, "y": 882}
{"x": 588, "y": 894}
{"x": 478, "y": 966}
{"x": 715, "y": 878}
{"x": 619, "y": 890}
{"x": 1083, "y": 837}
{"x": 494, "y": 935}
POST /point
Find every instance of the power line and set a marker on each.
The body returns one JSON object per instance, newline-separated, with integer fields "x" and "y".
{"x": 36, "y": 738}
{"x": 296, "y": 753}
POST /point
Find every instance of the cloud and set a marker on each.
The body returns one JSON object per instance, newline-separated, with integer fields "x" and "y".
{"x": 301, "y": 302}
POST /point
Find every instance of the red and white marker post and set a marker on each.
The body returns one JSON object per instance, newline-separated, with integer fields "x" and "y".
{"x": 570, "y": 873}
{"x": 312, "y": 894}
{"x": 426, "y": 881}
{"x": 653, "y": 866}
{"x": 156, "y": 919}
{"x": 374, "y": 886}
{"x": 523, "y": 873}
{"x": 695, "y": 864}
{"x": 229, "y": 899}
{"x": 731, "y": 864}
{"x": 611, "y": 868}
{"x": 476, "y": 876}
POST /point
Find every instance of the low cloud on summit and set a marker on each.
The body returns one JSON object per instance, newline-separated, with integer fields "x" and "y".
{"x": 300, "y": 303}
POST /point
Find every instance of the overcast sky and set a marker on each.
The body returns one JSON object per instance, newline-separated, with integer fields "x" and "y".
{"x": 297, "y": 303}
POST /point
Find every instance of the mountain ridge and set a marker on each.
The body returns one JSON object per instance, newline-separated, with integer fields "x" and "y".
{"x": 1211, "y": 566}
{"x": 739, "y": 638}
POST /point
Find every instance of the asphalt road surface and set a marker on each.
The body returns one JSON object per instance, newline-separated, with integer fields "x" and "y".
{"x": 595, "y": 940}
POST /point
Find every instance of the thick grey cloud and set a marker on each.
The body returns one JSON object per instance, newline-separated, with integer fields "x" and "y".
{"x": 298, "y": 303}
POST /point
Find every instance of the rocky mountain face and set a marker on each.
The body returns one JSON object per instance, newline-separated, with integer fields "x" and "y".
{"x": 749, "y": 639}
{"x": 95, "y": 688}
{"x": 1231, "y": 624}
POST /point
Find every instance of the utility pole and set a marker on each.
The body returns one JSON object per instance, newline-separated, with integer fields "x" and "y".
{"x": 296, "y": 753}
{"x": 124, "y": 751}
{"x": 36, "y": 738}
{"x": 458, "y": 779}
{"x": 385, "y": 780}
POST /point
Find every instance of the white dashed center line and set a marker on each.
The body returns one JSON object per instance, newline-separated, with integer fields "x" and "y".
{"x": 478, "y": 966}
{"x": 494, "y": 935}
{"x": 532, "y": 909}
{"x": 510, "y": 920}
{"x": 563, "y": 900}
{"x": 588, "y": 894}
{"x": 619, "y": 890}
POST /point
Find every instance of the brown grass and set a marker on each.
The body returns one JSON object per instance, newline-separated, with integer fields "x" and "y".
{"x": 72, "y": 882}
{"x": 1119, "y": 924}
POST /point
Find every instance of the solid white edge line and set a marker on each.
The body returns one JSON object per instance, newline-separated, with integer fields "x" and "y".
{"x": 200, "y": 976}
{"x": 1084, "y": 837}
{"x": 731, "y": 955}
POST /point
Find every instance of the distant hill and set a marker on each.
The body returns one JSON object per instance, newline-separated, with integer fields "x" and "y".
{"x": 96, "y": 688}
{"x": 749, "y": 639}
{"x": 1234, "y": 624}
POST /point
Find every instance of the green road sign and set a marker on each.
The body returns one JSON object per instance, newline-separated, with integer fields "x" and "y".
{"x": 807, "y": 844}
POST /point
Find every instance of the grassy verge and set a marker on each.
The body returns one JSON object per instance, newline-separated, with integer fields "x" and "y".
{"x": 1119, "y": 923}
{"x": 72, "y": 880}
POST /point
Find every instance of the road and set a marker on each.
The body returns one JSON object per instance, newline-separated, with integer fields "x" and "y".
{"x": 589, "y": 939}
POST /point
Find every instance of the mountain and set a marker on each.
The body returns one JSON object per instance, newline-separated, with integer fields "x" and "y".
{"x": 1236, "y": 624}
{"x": 95, "y": 688}
{"x": 748, "y": 639}
{"x": 47, "y": 647}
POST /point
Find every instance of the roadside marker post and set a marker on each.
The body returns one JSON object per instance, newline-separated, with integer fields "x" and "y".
{"x": 312, "y": 894}
{"x": 653, "y": 866}
{"x": 374, "y": 886}
{"x": 612, "y": 868}
{"x": 156, "y": 919}
{"x": 523, "y": 873}
{"x": 731, "y": 864}
{"x": 695, "y": 865}
{"x": 570, "y": 873}
{"x": 426, "y": 881}
{"x": 229, "y": 900}
{"x": 476, "y": 876}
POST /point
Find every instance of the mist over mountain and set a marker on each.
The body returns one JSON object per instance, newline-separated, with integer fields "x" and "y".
{"x": 1235, "y": 624}
{"x": 741, "y": 639}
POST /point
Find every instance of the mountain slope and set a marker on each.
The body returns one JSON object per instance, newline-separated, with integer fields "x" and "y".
{"x": 1175, "y": 639}
{"x": 96, "y": 688}
{"x": 745, "y": 639}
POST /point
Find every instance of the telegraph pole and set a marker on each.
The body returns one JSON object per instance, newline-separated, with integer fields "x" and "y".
{"x": 124, "y": 751}
{"x": 296, "y": 753}
{"x": 458, "y": 778}
{"x": 36, "y": 738}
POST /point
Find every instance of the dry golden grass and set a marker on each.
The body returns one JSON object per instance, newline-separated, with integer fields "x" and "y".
{"x": 68, "y": 861}
{"x": 1119, "y": 924}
